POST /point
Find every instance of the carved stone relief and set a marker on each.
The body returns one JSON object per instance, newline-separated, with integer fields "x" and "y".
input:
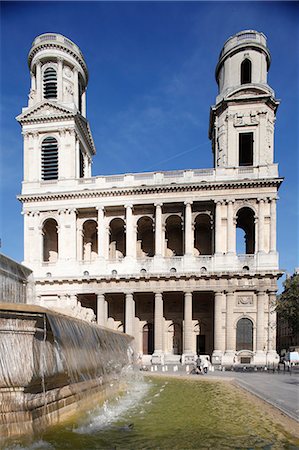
{"x": 245, "y": 300}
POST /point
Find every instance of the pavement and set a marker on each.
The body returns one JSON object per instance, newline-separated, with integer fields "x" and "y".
{"x": 279, "y": 389}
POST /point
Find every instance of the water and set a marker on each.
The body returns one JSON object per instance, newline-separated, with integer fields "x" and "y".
{"x": 167, "y": 413}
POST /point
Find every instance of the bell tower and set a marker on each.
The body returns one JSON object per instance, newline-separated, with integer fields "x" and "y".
{"x": 58, "y": 144}
{"x": 242, "y": 120}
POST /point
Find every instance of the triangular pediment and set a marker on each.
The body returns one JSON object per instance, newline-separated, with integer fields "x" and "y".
{"x": 45, "y": 111}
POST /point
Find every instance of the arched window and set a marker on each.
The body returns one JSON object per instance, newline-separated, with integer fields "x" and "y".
{"x": 145, "y": 237}
{"x": 148, "y": 339}
{"x": 50, "y": 83}
{"x": 244, "y": 335}
{"x": 246, "y": 71}
{"x": 174, "y": 236}
{"x": 90, "y": 240}
{"x": 49, "y": 159}
{"x": 117, "y": 243}
{"x": 246, "y": 237}
{"x": 203, "y": 242}
{"x": 50, "y": 241}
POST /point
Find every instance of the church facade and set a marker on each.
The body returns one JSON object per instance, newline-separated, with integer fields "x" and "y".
{"x": 155, "y": 254}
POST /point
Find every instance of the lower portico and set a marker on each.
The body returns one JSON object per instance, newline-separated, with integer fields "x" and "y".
{"x": 173, "y": 318}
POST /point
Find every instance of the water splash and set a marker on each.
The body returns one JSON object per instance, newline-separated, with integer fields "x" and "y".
{"x": 112, "y": 411}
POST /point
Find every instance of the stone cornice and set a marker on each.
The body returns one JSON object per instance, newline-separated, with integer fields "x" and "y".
{"x": 127, "y": 191}
{"x": 28, "y": 117}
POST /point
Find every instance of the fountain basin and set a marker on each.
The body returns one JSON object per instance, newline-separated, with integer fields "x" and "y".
{"x": 51, "y": 365}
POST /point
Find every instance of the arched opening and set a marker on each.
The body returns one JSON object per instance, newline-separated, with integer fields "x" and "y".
{"x": 145, "y": 237}
{"x": 203, "y": 235}
{"x": 174, "y": 236}
{"x": 50, "y": 83}
{"x": 117, "y": 242}
{"x": 246, "y": 71}
{"x": 175, "y": 339}
{"x": 244, "y": 335}
{"x": 245, "y": 237}
{"x": 90, "y": 240}
{"x": 49, "y": 159}
{"x": 148, "y": 339}
{"x": 50, "y": 241}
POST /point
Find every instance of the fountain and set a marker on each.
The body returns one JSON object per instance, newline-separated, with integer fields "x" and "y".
{"x": 52, "y": 365}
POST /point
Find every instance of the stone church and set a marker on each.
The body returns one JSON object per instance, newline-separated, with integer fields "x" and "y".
{"x": 156, "y": 254}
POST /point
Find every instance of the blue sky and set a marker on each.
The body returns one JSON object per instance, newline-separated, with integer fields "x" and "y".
{"x": 151, "y": 85}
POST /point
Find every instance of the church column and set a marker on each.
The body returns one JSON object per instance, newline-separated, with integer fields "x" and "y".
{"x": 260, "y": 325}
{"x": 273, "y": 225}
{"x": 101, "y": 231}
{"x": 219, "y": 338}
{"x": 101, "y": 310}
{"x": 76, "y": 87}
{"x": 79, "y": 242}
{"x": 187, "y": 323}
{"x": 39, "y": 86}
{"x": 218, "y": 234}
{"x": 261, "y": 214}
{"x": 158, "y": 316}
{"x": 230, "y": 332}
{"x": 59, "y": 79}
{"x": 129, "y": 314}
{"x": 189, "y": 233}
{"x": 130, "y": 232}
{"x": 272, "y": 322}
{"x": 158, "y": 230}
{"x": 231, "y": 228}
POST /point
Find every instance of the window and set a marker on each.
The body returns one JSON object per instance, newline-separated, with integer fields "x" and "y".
{"x": 246, "y": 71}
{"x": 244, "y": 335}
{"x": 49, "y": 159}
{"x": 50, "y": 83}
{"x": 245, "y": 149}
{"x": 245, "y": 232}
{"x": 81, "y": 165}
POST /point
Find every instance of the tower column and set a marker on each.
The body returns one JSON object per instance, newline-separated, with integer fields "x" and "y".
{"x": 84, "y": 104}
{"x": 39, "y": 87}
{"x": 76, "y": 87}
{"x": 272, "y": 322}
{"x": 219, "y": 338}
{"x": 230, "y": 331}
{"x": 189, "y": 235}
{"x": 59, "y": 79}
{"x": 130, "y": 232}
{"x": 273, "y": 225}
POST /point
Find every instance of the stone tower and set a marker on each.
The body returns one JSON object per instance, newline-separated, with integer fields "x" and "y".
{"x": 242, "y": 121}
{"x": 57, "y": 140}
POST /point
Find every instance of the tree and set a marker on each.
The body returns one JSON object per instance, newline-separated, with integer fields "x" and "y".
{"x": 288, "y": 304}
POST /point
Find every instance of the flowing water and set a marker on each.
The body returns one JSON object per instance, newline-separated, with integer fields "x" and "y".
{"x": 167, "y": 413}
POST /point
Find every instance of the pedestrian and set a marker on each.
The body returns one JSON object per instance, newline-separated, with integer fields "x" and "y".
{"x": 205, "y": 365}
{"x": 198, "y": 365}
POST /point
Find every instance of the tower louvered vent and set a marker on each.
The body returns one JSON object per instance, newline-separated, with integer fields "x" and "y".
{"x": 49, "y": 159}
{"x": 50, "y": 83}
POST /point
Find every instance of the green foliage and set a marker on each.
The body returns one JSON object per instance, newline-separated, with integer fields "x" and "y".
{"x": 288, "y": 303}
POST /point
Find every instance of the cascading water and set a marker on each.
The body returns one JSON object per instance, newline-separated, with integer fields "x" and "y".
{"x": 49, "y": 363}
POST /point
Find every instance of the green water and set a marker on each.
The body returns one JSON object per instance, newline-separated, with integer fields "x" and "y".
{"x": 169, "y": 414}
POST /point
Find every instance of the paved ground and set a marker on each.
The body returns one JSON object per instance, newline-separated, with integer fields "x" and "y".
{"x": 278, "y": 389}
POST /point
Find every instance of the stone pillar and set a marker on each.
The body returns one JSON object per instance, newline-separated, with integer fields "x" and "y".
{"x": 76, "y": 87}
{"x": 39, "y": 82}
{"x": 188, "y": 352}
{"x": 129, "y": 314}
{"x": 130, "y": 233}
{"x": 272, "y": 324}
{"x": 218, "y": 234}
{"x": 261, "y": 231}
{"x": 101, "y": 310}
{"x": 157, "y": 357}
{"x": 158, "y": 230}
{"x": 219, "y": 338}
{"x": 273, "y": 225}
{"x": 80, "y": 242}
{"x": 230, "y": 332}
{"x": 101, "y": 231}
{"x": 67, "y": 235}
{"x": 59, "y": 79}
{"x": 189, "y": 232}
{"x": 260, "y": 325}
{"x": 231, "y": 229}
